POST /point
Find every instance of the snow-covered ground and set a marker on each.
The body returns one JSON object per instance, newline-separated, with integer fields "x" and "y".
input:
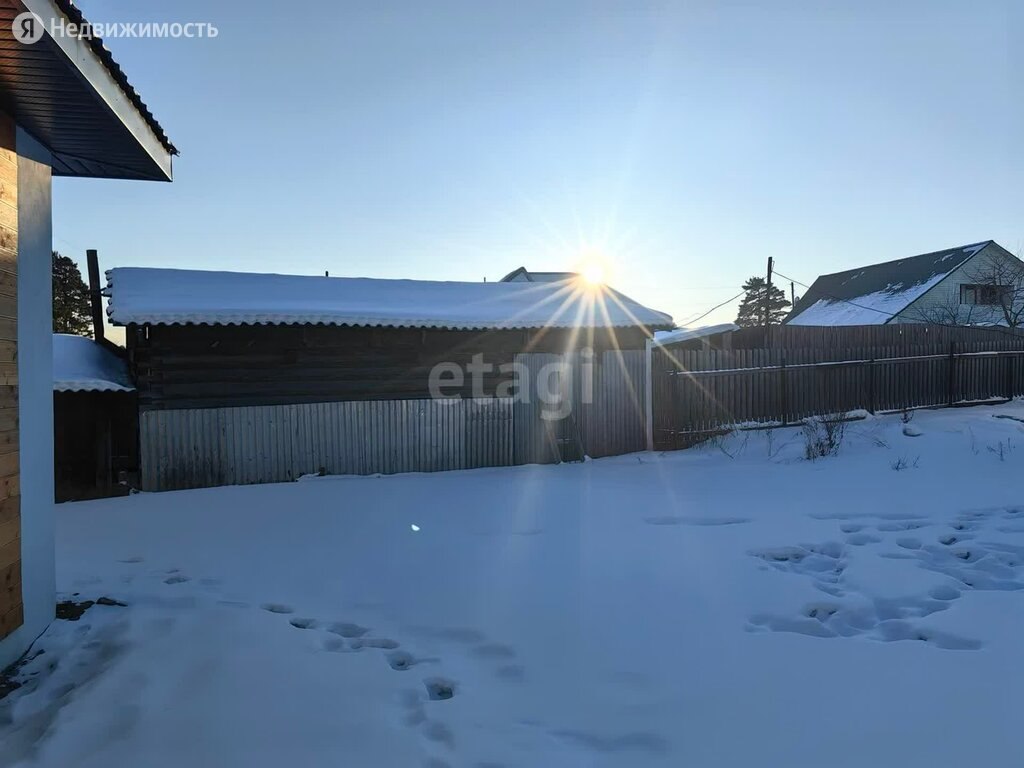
{"x": 732, "y": 605}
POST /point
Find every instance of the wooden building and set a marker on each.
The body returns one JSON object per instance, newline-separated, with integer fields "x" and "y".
{"x": 95, "y": 420}
{"x": 66, "y": 109}
{"x": 255, "y": 378}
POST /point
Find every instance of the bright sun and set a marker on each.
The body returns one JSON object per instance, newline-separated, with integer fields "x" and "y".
{"x": 593, "y": 273}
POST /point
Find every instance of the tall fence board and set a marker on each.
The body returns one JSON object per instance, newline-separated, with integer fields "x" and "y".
{"x": 533, "y": 443}
{"x": 605, "y": 404}
{"x": 617, "y": 423}
{"x": 697, "y": 392}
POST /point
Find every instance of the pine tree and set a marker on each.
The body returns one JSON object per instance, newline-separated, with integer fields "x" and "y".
{"x": 751, "y": 314}
{"x": 72, "y": 310}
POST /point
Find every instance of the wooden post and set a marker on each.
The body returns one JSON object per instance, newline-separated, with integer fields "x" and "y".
{"x": 95, "y": 296}
{"x": 649, "y": 393}
{"x": 783, "y": 390}
{"x": 673, "y": 382}
{"x": 871, "y": 387}
{"x": 952, "y": 373}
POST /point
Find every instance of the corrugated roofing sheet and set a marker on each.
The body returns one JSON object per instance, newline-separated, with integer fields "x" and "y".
{"x": 82, "y": 365}
{"x": 178, "y": 297}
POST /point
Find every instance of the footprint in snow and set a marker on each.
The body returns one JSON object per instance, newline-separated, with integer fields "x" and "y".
{"x": 347, "y": 629}
{"x": 303, "y": 623}
{"x": 176, "y": 579}
{"x": 700, "y": 521}
{"x": 401, "y": 661}
{"x": 439, "y": 688}
{"x": 860, "y": 539}
{"x": 383, "y": 643}
{"x": 277, "y": 608}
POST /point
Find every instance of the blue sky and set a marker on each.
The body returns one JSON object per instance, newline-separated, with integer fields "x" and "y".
{"x": 685, "y": 141}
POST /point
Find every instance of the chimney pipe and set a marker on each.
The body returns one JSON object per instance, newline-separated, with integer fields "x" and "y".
{"x": 95, "y": 297}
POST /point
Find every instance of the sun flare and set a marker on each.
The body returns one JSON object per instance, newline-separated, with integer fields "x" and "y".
{"x": 593, "y": 273}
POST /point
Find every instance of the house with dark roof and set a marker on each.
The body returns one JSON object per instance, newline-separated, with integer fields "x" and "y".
{"x": 523, "y": 275}
{"x": 978, "y": 284}
{"x": 66, "y": 109}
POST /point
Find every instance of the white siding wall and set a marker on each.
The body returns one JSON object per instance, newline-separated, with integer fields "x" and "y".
{"x": 938, "y": 304}
{"x": 35, "y": 377}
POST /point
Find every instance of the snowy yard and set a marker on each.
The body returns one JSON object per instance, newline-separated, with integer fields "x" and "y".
{"x": 730, "y": 605}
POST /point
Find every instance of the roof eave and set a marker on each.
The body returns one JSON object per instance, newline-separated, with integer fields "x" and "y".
{"x": 124, "y": 322}
{"x": 86, "y": 64}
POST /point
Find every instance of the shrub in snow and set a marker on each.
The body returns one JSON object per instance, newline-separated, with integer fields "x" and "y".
{"x": 902, "y": 463}
{"x": 730, "y": 443}
{"x": 823, "y": 436}
{"x": 1002, "y": 449}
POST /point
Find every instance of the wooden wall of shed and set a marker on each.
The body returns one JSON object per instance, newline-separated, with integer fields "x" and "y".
{"x": 11, "y": 608}
{"x": 200, "y": 366}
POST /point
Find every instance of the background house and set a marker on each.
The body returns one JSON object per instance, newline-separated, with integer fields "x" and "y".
{"x": 68, "y": 110}
{"x": 523, "y": 275}
{"x": 248, "y": 378}
{"x": 979, "y": 284}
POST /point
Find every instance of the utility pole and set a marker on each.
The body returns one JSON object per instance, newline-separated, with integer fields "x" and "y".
{"x": 792, "y": 295}
{"x": 768, "y": 299}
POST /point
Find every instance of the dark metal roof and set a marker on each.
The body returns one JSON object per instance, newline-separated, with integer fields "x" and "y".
{"x": 537, "y": 277}
{"x": 75, "y": 16}
{"x": 74, "y": 99}
{"x": 894, "y": 277}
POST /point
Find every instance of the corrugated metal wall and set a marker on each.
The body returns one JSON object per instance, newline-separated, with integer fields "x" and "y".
{"x": 614, "y": 422}
{"x": 206, "y": 447}
{"x": 532, "y": 439}
{"x": 609, "y": 419}
{"x": 199, "y": 448}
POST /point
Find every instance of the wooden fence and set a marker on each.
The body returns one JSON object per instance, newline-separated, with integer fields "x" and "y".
{"x": 695, "y": 393}
{"x": 799, "y": 337}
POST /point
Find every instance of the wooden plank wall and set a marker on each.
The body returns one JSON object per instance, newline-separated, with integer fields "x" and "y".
{"x": 698, "y": 392}
{"x": 11, "y": 609}
{"x": 199, "y": 366}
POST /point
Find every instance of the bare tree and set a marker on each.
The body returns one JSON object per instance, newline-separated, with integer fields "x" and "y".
{"x": 948, "y": 311}
{"x": 999, "y": 283}
{"x": 993, "y": 293}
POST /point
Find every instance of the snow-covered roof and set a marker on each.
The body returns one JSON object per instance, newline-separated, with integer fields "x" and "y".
{"x": 179, "y": 297}
{"x": 663, "y": 338}
{"x": 82, "y": 365}
{"x": 874, "y": 294}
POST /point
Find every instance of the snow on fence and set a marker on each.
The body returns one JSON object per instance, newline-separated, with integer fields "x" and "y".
{"x": 697, "y": 392}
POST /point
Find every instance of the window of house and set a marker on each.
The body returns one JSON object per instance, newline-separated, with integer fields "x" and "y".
{"x": 988, "y": 295}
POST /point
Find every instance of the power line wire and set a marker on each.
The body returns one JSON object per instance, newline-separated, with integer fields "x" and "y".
{"x": 717, "y": 306}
